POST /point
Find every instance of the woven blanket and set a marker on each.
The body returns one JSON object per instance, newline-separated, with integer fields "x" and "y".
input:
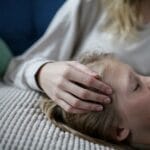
{"x": 24, "y": 127}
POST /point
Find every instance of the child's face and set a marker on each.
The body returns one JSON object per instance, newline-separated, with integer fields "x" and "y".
{"x": 131, "y": 98}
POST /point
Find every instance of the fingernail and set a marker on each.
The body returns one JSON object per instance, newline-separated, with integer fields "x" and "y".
{"x": 99, "y": 108}
{"x": 107, "y": 100}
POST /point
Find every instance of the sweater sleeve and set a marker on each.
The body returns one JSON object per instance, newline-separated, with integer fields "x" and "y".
{"x": 58, "y": 43}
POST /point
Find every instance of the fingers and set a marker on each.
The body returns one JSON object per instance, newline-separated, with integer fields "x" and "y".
{"x": 88, "y": 81}
{"x": 83, "y": 68}
{"x": 69, "y": 108}
{"x": 77, "y": 103}
{"x": 62, "y": 87}
{"x": 85, "y": 94}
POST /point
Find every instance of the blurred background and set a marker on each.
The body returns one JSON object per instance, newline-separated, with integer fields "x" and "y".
{"x": 23, "y": 22}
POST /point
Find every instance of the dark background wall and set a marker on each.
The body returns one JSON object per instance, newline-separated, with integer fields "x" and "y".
{"x": 22, "y": 22}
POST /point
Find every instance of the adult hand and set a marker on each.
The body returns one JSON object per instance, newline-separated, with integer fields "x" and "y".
{"x": 58, "y": 80}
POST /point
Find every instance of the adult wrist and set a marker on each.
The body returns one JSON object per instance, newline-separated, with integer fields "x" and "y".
{"x": 38, "y": 75}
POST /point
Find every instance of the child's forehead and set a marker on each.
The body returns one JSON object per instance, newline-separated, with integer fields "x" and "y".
{"x": 108, "y": 66}
{"x": 110, "y": 69}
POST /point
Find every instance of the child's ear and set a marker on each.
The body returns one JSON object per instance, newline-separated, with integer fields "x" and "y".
{"x": 120, "y": 134}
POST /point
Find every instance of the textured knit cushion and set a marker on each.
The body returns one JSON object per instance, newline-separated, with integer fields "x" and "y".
{"x": 24, "y": 127}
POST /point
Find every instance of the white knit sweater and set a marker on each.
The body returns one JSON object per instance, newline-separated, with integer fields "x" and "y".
{"x": 76, "y": 28}
{"x": 24, "y": 127}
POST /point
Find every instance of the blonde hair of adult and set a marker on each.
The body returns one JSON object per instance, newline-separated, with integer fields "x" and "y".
{"x": 124, "y": 17}
{"x": 96, "y": 127}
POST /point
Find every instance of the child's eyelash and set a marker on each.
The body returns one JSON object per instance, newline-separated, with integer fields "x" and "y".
{"x": 137, "y": 86}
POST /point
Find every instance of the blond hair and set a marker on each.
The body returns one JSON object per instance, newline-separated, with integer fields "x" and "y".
{"x": 97, "y": 127}
{"x": 123, "y": 17}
